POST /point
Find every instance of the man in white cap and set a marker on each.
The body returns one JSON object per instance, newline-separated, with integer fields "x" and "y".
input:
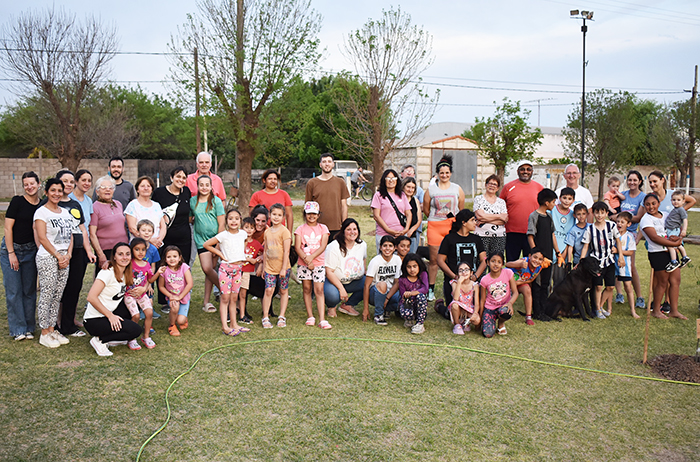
{"x": 521, "y": 199}
{"x": 572, "y": 175}
{"x": 204, "y": 168}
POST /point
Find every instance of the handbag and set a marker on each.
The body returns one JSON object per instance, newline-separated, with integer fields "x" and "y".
{"x": 170, "y": 211}
{"x": 401, "y": 216}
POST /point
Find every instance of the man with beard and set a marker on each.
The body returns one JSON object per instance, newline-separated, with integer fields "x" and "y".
{"x": 521, "y": 200}
{"x": 204, "y": 168}
{"x": 331, "y": 193}
{"x": 124, "y": 192}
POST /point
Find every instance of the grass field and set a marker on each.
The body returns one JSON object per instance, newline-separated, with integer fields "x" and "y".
{"x": 307, "y": 394}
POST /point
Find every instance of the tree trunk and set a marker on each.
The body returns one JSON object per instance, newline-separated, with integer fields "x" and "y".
{"x": 601, "y": 183}
{"x": 378, "y": 153}
{"x": 245, "y": 153}
{"x": 501, "y": 174}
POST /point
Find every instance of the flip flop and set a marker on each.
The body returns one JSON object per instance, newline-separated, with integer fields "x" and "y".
{"x": 325, "y": 325}
{"x": 243, "y": 329}
{"x": 502, "y": 331}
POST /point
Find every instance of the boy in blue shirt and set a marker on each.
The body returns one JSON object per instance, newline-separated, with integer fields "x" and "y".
{"x": 563, "y": 218}
{"x": 629, "y": 246}
{"x": 574, "y": 239}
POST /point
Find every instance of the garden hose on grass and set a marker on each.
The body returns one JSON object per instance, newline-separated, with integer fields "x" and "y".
{"x": 396, "y": 342}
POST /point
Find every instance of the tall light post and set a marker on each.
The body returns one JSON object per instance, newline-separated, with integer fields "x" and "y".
{"x": 583, "y": 14}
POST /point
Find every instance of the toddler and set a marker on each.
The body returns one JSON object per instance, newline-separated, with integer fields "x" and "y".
{"x": 613, "y": 197}
{"x": 676, "y": 224}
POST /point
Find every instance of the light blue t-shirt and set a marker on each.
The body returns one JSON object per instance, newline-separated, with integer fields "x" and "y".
{"x": 631, "y": 205}
{"x": 86, "y": 205}
{"x": 628, "y": 243}
{"x": 575, "y": 240}
{"x": 562, "y": 226}
{"x": 666, "y": 206}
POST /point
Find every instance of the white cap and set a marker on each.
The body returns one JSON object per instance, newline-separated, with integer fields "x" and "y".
{"x": 523, "y": 162}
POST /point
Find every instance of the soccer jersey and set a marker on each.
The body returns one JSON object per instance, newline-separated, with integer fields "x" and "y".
{"x": 628, "y": 243}
{"x": 601, "y": 242}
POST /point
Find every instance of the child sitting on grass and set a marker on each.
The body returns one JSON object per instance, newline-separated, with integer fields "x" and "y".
{"x": 629, "y": 246}
{"x": 465, "y": 300}
{"x": 526, "y": 271}
{"x": 413, "y": 292}
{"x": 176, "y": 284}
{"x": 379, "y": 279}
{"x": 497, "y": 293}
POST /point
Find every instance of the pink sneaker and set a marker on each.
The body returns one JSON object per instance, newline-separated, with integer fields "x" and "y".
{"x": 133, "y": 345}
{"x": 148, "y": 342}
{"x": 529, "y": 321}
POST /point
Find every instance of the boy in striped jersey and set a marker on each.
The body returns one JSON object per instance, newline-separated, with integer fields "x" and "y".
{"x": 601, "y": 240}
{"x": 624, "y": 274}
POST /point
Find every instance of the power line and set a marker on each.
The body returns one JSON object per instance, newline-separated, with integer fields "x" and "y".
{"x": 629, "y": 13}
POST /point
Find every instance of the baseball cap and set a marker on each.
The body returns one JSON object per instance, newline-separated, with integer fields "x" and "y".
{"x": 312, "y": 207}
{"x": 523, "y": 162}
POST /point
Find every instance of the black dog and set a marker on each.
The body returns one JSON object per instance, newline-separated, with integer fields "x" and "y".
{"x": 571, "y": 291}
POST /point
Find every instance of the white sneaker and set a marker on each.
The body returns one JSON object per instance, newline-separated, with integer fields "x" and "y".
{"x": 29, "y": 336}
{"x": 418, "y": 329}
{"x": 60, "y": 338}
{"x": 100, "y": 348}
{"x": 48, "y": 341}
{"x": 115, "y": 343}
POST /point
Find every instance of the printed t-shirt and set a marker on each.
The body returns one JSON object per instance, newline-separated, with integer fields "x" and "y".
{"x": 153, "y": 213}
{"x": 382, "y": 270}
{"x": 232, "y": 245}
{"x": 601, "y": 242}
{"x": 460, "y": 249}
{"x": 142, "y": 273}
{"x": 649, "y": 221}
{"x": 109, "y": 222}
{"x": 179, "y": 229}
{"x": 521, "y": 201}
{"x": 268, "y": 200}
{"x": 22, "y": 211}
{"x": 152, "y": 255}
{"x": 627, "y": 241}
{"x": 443, "y": 201}
{"x": 329, "y": 194}
{"x": 206, "y": 224}
{"x": 311, "y": 239}
{"x": 350, "y": 267}
{"x": 497, "y": 289}
{"x": 562, "y": 225}
{"x": 86, "y": 205}
{"x": 575, "y": 239}
{"x": 274, "y": 249}
{"x": 253, "y": 249}
{"x": 111, "y": 295}
{"x": 174, "y": 281}
{"x": 631, "y": 205}
{"x": 76, "y": 212}
{"x": 59, "y": 228}
{"x": 527, "y": 274}
{"x": 217, "y": 186}
{"x": 498, "y": 207}
{"x": 387, "y": 212}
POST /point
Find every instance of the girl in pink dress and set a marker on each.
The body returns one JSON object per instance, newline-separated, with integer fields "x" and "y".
{"x": 498, "y": 292}
{"x": 464, "y": 299}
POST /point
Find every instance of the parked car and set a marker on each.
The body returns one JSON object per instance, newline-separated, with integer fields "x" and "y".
{"x": 344, "y": 168}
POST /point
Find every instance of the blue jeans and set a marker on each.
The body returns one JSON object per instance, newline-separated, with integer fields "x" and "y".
{"x": 414, "y": 243}
{"x": 353, "y": 288}
{"x": 377, "y": 299}
{"x": 20, "y": 288}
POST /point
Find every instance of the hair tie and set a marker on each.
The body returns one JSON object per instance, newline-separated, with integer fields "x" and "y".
{"x": 444, "y": 163}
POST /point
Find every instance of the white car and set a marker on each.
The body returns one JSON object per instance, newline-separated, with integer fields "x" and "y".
{"x": 344, "y": 168}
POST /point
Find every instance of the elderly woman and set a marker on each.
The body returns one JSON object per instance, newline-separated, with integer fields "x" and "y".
{"x": 107, "y": 318}
{"x": 143, "y": 208}
{"x": 107, "y": 223}
{"x": 17, "y": 258}
{"x": 390, "y": 208}
{"x": 346, "y": 257}
{"x": 491, "y": 216}
{"x": 270, "y": 195}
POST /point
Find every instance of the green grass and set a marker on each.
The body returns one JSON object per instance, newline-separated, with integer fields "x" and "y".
{"x": 302, "y": 399}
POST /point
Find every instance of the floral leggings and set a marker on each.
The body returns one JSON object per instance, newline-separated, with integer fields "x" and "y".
{"x": 52, "y": 281}
{"x": 488, "y": 321}
{"x": 414, "y": 308}
{"x": 230, "y": 277}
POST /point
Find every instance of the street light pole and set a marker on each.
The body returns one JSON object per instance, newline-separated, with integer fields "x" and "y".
{"x": 575, "y": 14}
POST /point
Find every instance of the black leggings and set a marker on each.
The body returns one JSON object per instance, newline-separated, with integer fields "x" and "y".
{"x": 71, "y": 294}
{"x": 100, "y": 327}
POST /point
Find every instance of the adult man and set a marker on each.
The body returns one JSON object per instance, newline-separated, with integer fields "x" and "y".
{"x": 204, "y": 168}
{"x": 521, "y": 200}
{"x": 409, "y": 170}
{"x": 331, "y": 193}
{"x": 583, "y": 195}
{"x": 355, "y": 180}
{"x": 124, "y": 191}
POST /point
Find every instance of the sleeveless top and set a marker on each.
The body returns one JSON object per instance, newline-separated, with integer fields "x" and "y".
{"x": 443, "y": 201}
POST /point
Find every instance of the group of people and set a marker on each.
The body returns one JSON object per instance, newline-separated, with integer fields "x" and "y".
{"x": 140, "y": 237}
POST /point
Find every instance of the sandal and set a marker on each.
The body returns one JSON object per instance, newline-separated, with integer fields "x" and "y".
{"x": 502, "y": 331}
{"x": 209, "y": 308}
{"x": 281, "y": 321}
{"x": 243, "y": 329}
{"x": 311, "y": 321}
{"x": 325, "y": 325}
{"x": 266, "y": 323}
{"x": 232, "y": 332}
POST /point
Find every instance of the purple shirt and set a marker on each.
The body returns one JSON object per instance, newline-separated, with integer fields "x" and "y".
{"x": 110, "y": 223}
{"x": 421, "y": 285}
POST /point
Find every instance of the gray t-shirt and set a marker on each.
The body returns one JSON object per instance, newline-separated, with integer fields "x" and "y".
{"x": 675, "y": 218}
{"x": 124, "y": 193}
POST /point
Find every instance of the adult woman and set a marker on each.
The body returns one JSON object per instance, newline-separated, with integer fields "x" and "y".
{"x": 652, "y": 225}
{"x": 107, "y": 223}
{"x": 107, "y": 318}
{"x": 83, "y": 183}
{"x": 657, "y": 183}
{"x": 390, "y": 208}
{"x": 143, "y": 208}
{"x": 491, "y": 217}
{"x": 409, "y": 189}
{"x": 174, "y": 199}
{"x": 17, "y": 258}
{"x": 54, "y": 231}
{"x": 346, "y": 258}
{"x": 81, "y": 255}
{"x": 207, "y": 211}
{"x": 633, "y": 203}
{"x": 270, "y": 195}
{"x": 441, "y": 203}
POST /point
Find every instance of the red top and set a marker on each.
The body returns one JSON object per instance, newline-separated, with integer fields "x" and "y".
{"x": 268, "y": 200}
{"x": 521, "y": 201}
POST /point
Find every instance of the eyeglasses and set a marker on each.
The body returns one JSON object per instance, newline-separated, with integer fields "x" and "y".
{"x": 464, "y": 270}
{"x": 492, "y": 184}
{"x": 525, "y": 169}
{"x": 391, "y": 178}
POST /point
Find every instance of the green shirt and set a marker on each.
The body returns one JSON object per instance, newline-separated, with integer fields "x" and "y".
{"x": 206, "y": 225}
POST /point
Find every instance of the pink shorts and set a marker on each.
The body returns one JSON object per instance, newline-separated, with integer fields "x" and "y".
{"x": 133, "y": 304}
{"x": 230, "y": 276}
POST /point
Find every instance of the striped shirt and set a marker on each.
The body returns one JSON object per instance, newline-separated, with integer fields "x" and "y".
{"x": 601, "y": 242}
{"x": 628, "y": 243}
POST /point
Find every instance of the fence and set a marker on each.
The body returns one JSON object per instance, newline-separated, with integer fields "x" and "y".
{"x": 159, "y": 169}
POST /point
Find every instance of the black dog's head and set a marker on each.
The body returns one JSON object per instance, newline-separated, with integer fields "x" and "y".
{"x": 590, "y": 264}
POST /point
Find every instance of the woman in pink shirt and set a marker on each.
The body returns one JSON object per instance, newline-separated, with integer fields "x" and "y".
{"x": 107, "y": 222}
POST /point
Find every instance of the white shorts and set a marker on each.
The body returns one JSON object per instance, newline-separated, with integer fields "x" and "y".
{"x": 318, "y": 274}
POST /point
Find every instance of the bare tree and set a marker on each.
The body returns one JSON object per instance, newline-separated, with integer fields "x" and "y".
{"x": 248, "y": 51}
{"x": 61, "y": 58}
{"x": 388, "y": 55}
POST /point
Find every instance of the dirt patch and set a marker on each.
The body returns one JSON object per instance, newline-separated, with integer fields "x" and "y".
{"x": 677, "y": 367}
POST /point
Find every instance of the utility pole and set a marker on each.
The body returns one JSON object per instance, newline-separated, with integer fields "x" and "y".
{"x": 693, "y": 124}
{"x": 197, "y": 136}
{"x": 585, "y": 15}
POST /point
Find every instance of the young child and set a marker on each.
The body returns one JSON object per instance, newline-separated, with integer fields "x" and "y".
{"x": 278, "y": 241}
{"x": 231, "y": 253}
{"x": 138, "y": 295}
{"x": 677, "y": 225}
{"x": 379, "y": 279}
{"x": 601, "y": 240}
{"x": 413, "y": 292}
{"x": 253, "y": 253}
{"x": 176, "y": 284}
{"x": 497, "y": 293}
{"x": 310, "y": 242}
{"x": 613, "y": 197}
{"x": 465, "y": 301}
{"x": 563, "y": 220}
{"x": 145, "y": 229}
{"x": 526, "y": 271}
{"x": 540, "y": 234}
{"x": 629, "y": 246}
{"x": 573, "y": 240}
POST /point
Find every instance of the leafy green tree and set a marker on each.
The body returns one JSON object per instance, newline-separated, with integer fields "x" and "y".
{"x": 612, "y": 135}
{"x": 506, "y": 137}
{"x": 670, "y": 137}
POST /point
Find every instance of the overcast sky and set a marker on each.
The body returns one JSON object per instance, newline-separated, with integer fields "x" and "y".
{"x": 484, "y": 51}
